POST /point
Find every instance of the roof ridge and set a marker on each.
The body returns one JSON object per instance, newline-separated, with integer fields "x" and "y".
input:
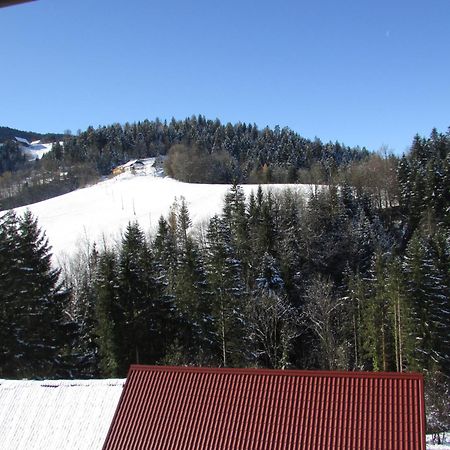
{"x": 277, "y": 372}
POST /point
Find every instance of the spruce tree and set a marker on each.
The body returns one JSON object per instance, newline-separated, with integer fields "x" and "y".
{"x": 48, "y": 329}
{"x": 428, "y": 294}
{"x": 107, "y": 313}
{"x": 291, "y": 257}
{"x": 10, "y": 302}
{"x": 235, "y": 215}
{"x": 33, "y": 301}
{"x": 81, "y": 282}
{"x": 400, "y": 316}
{"x": 377, "y": 335}
{"x": 132, "y": 301}
{"x": 224, "y": 276}
{"x": 166, "y": 255}
{"x": 354, "y": 328}
{"x": 193, "y": 305}
{"x": 145, "y": 316}
{"x": 191, "y": 300}
{"x": 273, "y": 321}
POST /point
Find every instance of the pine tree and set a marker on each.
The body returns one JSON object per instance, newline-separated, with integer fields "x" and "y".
{"x": 134, "y": 300}
{"x": 184, "y": 267}
{"x": 193, "y": 304}
{"x": 428, "y": 294}
{"x": 108, "y": 315}
{"x": 400, "y": 317}
{"x": 378, "y": 331}
{"x": 45, "y": 299}
{"x": 79, "y": 277}
{"x": 235, "y": 215}
{"x": 291, "y": 257}
{"x": 227, "y": 292}
{"x": 353, "y": 327}
{"x": 33, "y": 303}
{"x": 273, "y": 321}
{"x": 142, "y": 314}
{"x": 166, "y": 255}
{"x": 9, "y": 290}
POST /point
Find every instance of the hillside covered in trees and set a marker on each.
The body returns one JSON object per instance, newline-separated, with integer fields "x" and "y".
{"x": 8, "y": 134}
{"x": 198, "y": 151}
{"x": 357, "y": 277}
{"x": 202, "y": 150}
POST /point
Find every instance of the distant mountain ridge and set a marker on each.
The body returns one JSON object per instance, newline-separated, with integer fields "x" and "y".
{"x": 7, "y": 133}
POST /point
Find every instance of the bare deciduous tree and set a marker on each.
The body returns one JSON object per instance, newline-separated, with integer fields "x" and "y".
{"x": 274, "y": 324}
{"x": 437, "y": 391}
{"x": 319, "y": 315}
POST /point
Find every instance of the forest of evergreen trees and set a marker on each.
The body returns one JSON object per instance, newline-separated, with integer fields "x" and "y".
{"x": 8, "y": 134}
{"x": 198, "y": 150}
{"x": 356, "y": 277}
{"x": 202, "y": 150}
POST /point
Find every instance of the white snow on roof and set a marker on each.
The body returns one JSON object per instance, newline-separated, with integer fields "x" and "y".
{"x": 67, "y": 414}
{"x": 57, "y": 414}
{"x": 129, "y": 163}
{"x": 147, "y": 161}
{"x": 22, "y": 140}
{"x": 36, "y": 151}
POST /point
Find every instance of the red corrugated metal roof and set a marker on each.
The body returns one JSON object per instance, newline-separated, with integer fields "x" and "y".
{"x": 203, "y": 408}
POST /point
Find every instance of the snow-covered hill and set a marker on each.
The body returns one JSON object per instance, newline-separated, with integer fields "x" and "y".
{"x": 101, "y": 212}
{"x": 33, "y": 150}
{"x": 36, "y": 150}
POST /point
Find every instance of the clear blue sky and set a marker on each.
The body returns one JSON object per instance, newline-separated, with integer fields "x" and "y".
{"x": 367, "y": 73}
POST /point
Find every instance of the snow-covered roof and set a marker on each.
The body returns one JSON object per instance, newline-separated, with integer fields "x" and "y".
{"x": 22, "y": 140}
{"x": 145, "y": 162}
{"x": 57, "y": 414}
{"x": 36, "y": 151}
{"x": 132, "y": 162}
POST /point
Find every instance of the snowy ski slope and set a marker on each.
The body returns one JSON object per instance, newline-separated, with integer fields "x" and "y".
{"x": 100, "y": 213}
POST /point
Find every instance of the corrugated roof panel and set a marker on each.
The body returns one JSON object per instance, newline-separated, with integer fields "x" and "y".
{"x": 57, "y": 414}
{"x": 201, "y": 408}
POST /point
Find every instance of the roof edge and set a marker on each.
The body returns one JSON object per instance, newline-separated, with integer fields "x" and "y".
{"x": 277, "y": 372}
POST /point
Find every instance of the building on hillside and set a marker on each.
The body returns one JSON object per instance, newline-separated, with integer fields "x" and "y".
{"x": 136, "y": 166}
{"x": 22, "y": 141}
{"x": 117, "y": 170}
{"x": 148, "y": 165}
{"x": 56, "y": 414}
{"x": 133, "y": 166}
{"x": 205, "y": 408}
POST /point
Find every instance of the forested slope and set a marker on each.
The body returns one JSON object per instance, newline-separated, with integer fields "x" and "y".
{"x": 198, "y": 151}
{"x": 355, "y": 278}
{"x": 207, "y": 151}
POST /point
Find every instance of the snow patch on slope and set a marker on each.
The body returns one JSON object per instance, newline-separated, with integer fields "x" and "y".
{"x": 444, "y": 446}
{"x": 101, "y": 212}
{"x": 36, "y": 150}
